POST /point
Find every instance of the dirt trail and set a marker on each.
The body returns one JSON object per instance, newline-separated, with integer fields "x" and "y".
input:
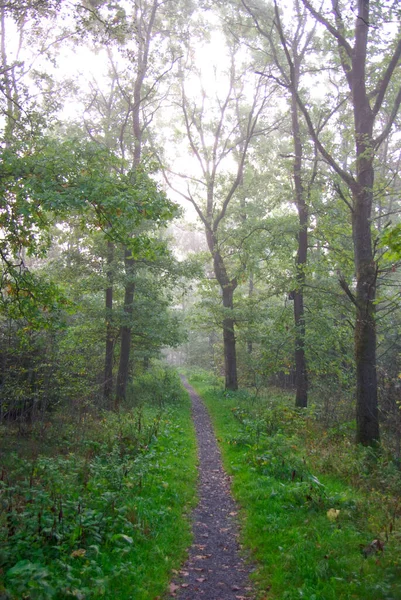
{"x": 214, "y": 570}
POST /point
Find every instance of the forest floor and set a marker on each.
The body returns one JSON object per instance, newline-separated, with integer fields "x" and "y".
{"x": 216, "y": 568}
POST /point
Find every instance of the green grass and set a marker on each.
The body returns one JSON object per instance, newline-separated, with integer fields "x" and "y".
{"x": 107, "y": 519}
{"x": 288, "y": 490}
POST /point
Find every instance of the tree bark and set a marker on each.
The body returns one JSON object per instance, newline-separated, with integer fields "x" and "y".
{"x": 301, "y": 374}
{"x": 228, "y": 287}
{"x": 230, "y": 356}
{"x": 108, "y": 365}
{"x": 249, "y": 343}
{"x": 126, "y": 331}
{"x": 367, "y": 413}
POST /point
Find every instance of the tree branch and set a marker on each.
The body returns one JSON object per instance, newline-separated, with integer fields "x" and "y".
{"x": 383, "y": 85}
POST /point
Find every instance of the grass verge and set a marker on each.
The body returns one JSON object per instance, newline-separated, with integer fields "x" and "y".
{"x": 106, "y": 518}
{"x": 313, "y": 534}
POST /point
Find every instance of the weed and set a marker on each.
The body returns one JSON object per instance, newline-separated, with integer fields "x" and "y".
{"x": 108, "y": 517}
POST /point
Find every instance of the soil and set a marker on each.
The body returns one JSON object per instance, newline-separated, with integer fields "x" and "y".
{"x": 215, "y": 569}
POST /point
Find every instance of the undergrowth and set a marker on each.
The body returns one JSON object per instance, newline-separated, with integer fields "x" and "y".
{"x": 321, "y": 515}
{"x": 105, "y": 516}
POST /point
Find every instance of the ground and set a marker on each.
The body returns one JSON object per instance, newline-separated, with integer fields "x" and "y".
{"x": 216, "y": 568}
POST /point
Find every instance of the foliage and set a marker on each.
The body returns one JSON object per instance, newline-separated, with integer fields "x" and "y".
{"x": 99, "y": 510}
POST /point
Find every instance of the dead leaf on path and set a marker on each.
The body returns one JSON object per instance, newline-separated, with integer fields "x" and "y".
{"x": 184, "y": 573}
{"x": 233, "y": 514}
{"x": 173, "y": 588}
{"x": 202, "y": 556}
{"x": 235, "y": 588}
{"x": 199, "y": 569}
{"x": 201, "y": 579}
{"x": 185, "y": 585}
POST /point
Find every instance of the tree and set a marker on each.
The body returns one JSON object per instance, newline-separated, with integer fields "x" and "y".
{"x": 141, "y": 33}
{"x": 289, "y": 51}
{"x": 367, "y": 97}
{"x": 219, "y": 132}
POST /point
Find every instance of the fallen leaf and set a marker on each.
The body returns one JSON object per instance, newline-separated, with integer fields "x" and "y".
{"x": 185, "y": 585}
{"x": 78, "y": 553}
{"x": 173, "y": 588}
{"x": 235, "y": 588}
{"x": 201, "y": 579}
{"x": 332, "y": 514}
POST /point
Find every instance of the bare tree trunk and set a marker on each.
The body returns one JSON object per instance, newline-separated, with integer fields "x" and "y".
{"x": 108, "y": 365}
{"x": 301, "y": 375}
{"x": 249, "y": 343}
{"x": 367, "y": 412}
{"x": 228, "y": 287}
{"x": 126, "y": 331}
{"x": 230, "y": 356}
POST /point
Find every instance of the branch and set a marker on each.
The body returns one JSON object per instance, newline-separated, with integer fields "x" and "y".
{"x": 342, "y": 196}
{"x": 380, "y": 139}
{"x": 383, "y": 85}
{"x": 346, "y": 177}
{"x": 252, "y": 122}
{"x": 189, "y": 198}
{"x": 334, "y": 32}
{"x": 344, "y": 285}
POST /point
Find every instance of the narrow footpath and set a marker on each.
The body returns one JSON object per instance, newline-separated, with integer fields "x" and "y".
{"x": 215, "y": 569}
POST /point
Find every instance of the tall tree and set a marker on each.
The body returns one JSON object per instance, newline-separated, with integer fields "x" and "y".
{"x": 142, "y": 51}
{"x": 288, "y": 53}
{"x": 219, "y": 132}
{"x": 367, "y": 96}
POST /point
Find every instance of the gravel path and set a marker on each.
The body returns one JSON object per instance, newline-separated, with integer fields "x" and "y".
{"x": 214, "y": 570}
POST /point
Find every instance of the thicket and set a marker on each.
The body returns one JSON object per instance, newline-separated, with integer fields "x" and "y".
{"x": 93, "y": 502}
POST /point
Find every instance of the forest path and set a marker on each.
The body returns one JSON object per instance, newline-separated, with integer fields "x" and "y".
{"x": 214, "y": 570}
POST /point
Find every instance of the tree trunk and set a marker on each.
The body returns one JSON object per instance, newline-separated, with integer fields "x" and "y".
{"x": 301, "y": 375}
{"x": 353, "y": 61}
{"x": 249, "y": 343}
{"x": 230, "y": 356}
{"x": 227, "y": 289}
{"x": 123, "y": 368}
{"x": 108, "y": 364}
{"x": 367, "y": 413}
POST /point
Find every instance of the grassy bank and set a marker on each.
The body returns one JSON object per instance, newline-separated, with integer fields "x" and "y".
{"x": 320, "y": 515}
{"x": 98, "y": 509}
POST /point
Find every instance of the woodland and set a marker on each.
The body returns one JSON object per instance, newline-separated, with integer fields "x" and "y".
{"x": 209, "y": 188}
